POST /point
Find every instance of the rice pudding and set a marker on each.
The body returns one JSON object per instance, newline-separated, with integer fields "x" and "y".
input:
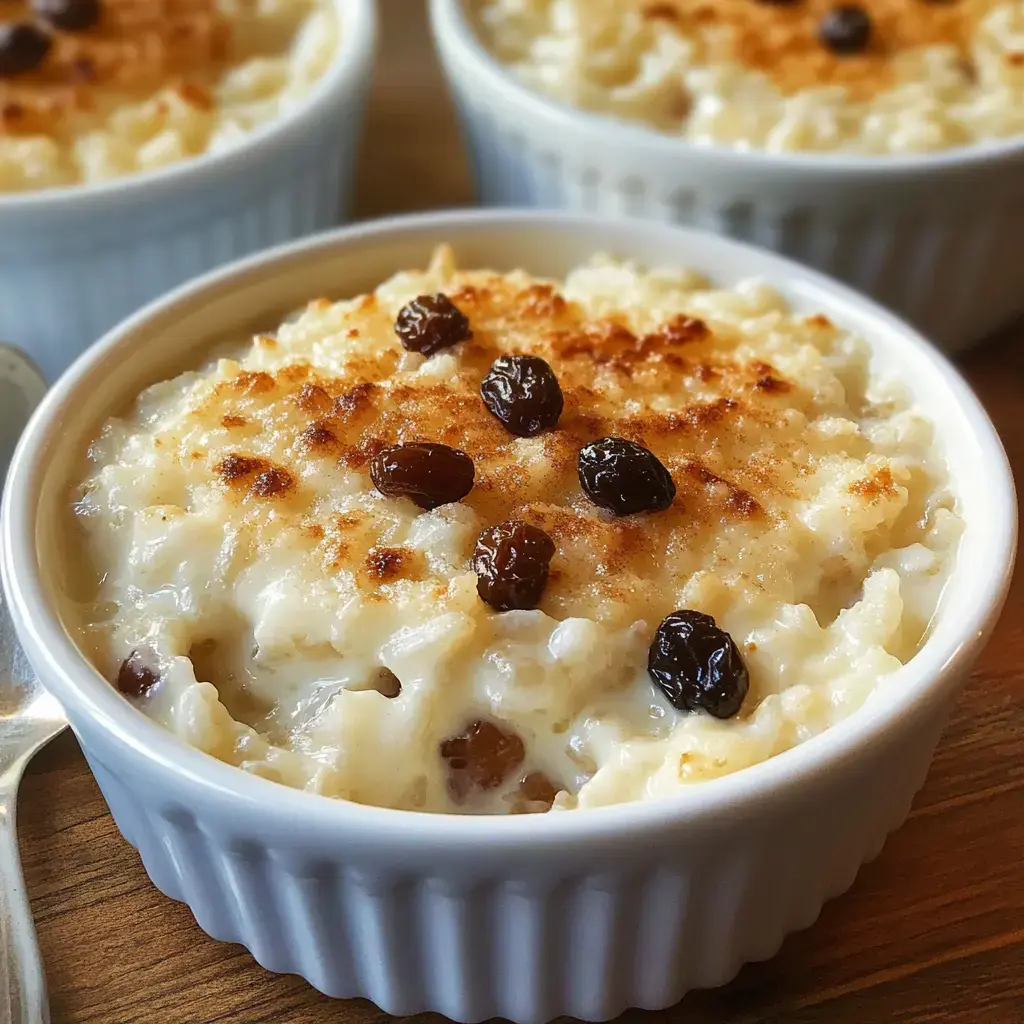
{"x": 483, "y": 543}
{"x": 96, "y": 89}
{"x": 871, "y": 76}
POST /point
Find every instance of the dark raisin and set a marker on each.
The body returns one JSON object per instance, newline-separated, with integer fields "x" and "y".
{"x": 386, "y": 683}
{"x": 482, "y": 758}
{"x": 135, "y": 678}
{"x": 624, "y": 477}
{"x": 522, "y": 392}
{"x": 23, "y": 47}
{"x": 430, "y": 474}
{"x": 511, "y": 562}
{"x": 697, "y": 665}
{"x": 68, "y": 15}
{"x": 536, "y": 794}
{"x": 845, "y": 29}
{"x": 430, "y": 323}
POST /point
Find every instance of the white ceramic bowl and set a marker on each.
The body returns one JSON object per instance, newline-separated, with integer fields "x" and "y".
{"x": 939, "y": 238}
{"x": 525, "y": 917}
{"x": 75, "y": 261}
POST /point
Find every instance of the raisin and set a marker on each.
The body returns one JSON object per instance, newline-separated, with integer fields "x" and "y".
{"x": 69, "y": 15}
{"x": 536, "y": 794}
{"x": 511, "y": 562}
{"x": 697, "y": 665}
{"x": 624, "y": 477}
{"x": 522, "y": 392}
{"x": 430, "y": 474}
{"x": 845, "y": 29}
{"x": 430, "y": 323}
{"x": 386, "y": 683}
{"x": 482, "y": 758}
{"x": 23, "y": 47}
{"x": 135, "y": 678}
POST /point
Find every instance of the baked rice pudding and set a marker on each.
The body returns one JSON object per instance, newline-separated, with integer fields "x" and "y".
{"x": 96, "y": 89}
{"x": 479, "y": 542}
{"x": 871, "y": 76}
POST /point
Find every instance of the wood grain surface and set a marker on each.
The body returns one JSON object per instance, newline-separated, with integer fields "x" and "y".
{"x": 933, "y": 930}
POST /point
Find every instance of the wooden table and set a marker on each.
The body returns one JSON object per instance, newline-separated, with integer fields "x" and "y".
{"x": 932, "y": 931}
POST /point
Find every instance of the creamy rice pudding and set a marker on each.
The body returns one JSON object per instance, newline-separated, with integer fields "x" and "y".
{"x": 97, "y": 89}
{"x": 486, "y": 543}
{"x": 871, "y": 76}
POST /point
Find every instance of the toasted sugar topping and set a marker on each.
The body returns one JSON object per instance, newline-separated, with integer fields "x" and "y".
{"x": 384, "y": 565}
{"x": 782, "y": 40}
{"x": 260, "y": 478}
{"x": 730, "y": 427}
{"x": 136, "y": 47}
{"x": 176, "y": 50}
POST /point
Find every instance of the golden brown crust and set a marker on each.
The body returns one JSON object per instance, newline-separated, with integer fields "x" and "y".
{"x": 136, "y": 48}
{"x": 313, "y": 399}
{"x": 782, "y": 39}
{"x": 235, "y": 468}
{"x": 385, "y": 565}
{"x": 259, "y": 477}
{"x": 271, "y": 482}
{"x": 727, "y": 436}
{"x": 318, "y": 437}
{"x": 730, "y": 426}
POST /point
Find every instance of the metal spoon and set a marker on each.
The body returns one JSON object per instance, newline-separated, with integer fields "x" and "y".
{"x": 29, "y": 717}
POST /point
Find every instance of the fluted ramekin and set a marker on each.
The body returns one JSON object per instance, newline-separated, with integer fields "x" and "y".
{"x": 525, "y": 917}
{"x": 939, "y": 238}
{"x": 75, "y": 261}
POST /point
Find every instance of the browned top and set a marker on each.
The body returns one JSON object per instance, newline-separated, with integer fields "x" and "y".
{"x": 259, "y": 477}
{"x": 137, "y": 47}
{"x": 781, "y": 39}
{"x": 730, "y": 428}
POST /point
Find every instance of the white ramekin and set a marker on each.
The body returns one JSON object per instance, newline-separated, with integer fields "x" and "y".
{"x": 938, "y": 238}
{"x": 75, "y": 261}
{"x": 523, "y": 917}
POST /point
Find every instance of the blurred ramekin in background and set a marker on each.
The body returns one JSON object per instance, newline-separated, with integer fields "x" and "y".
{"x": 526, "y": 917}
{"x": 937, "y": 237}
{"x": 75, "y": 260}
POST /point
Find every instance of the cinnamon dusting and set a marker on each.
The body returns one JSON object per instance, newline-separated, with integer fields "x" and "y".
{"x": 781, "y": 39}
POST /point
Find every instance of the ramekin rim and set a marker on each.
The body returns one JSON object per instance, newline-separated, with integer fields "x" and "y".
{"x": 349, "y": 63}
{"x": 449, "y": 22}
{"x": 162, "y": 751}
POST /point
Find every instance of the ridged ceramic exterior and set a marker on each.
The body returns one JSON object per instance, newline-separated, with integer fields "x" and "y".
{"x": 74, "y": 262}
{"x": 587, "y": 933}
{"x": 526, "y": 917}
{"x": 939, "y": 239}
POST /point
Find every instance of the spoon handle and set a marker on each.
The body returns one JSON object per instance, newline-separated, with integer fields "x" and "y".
{"x": 22, "y": 983}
